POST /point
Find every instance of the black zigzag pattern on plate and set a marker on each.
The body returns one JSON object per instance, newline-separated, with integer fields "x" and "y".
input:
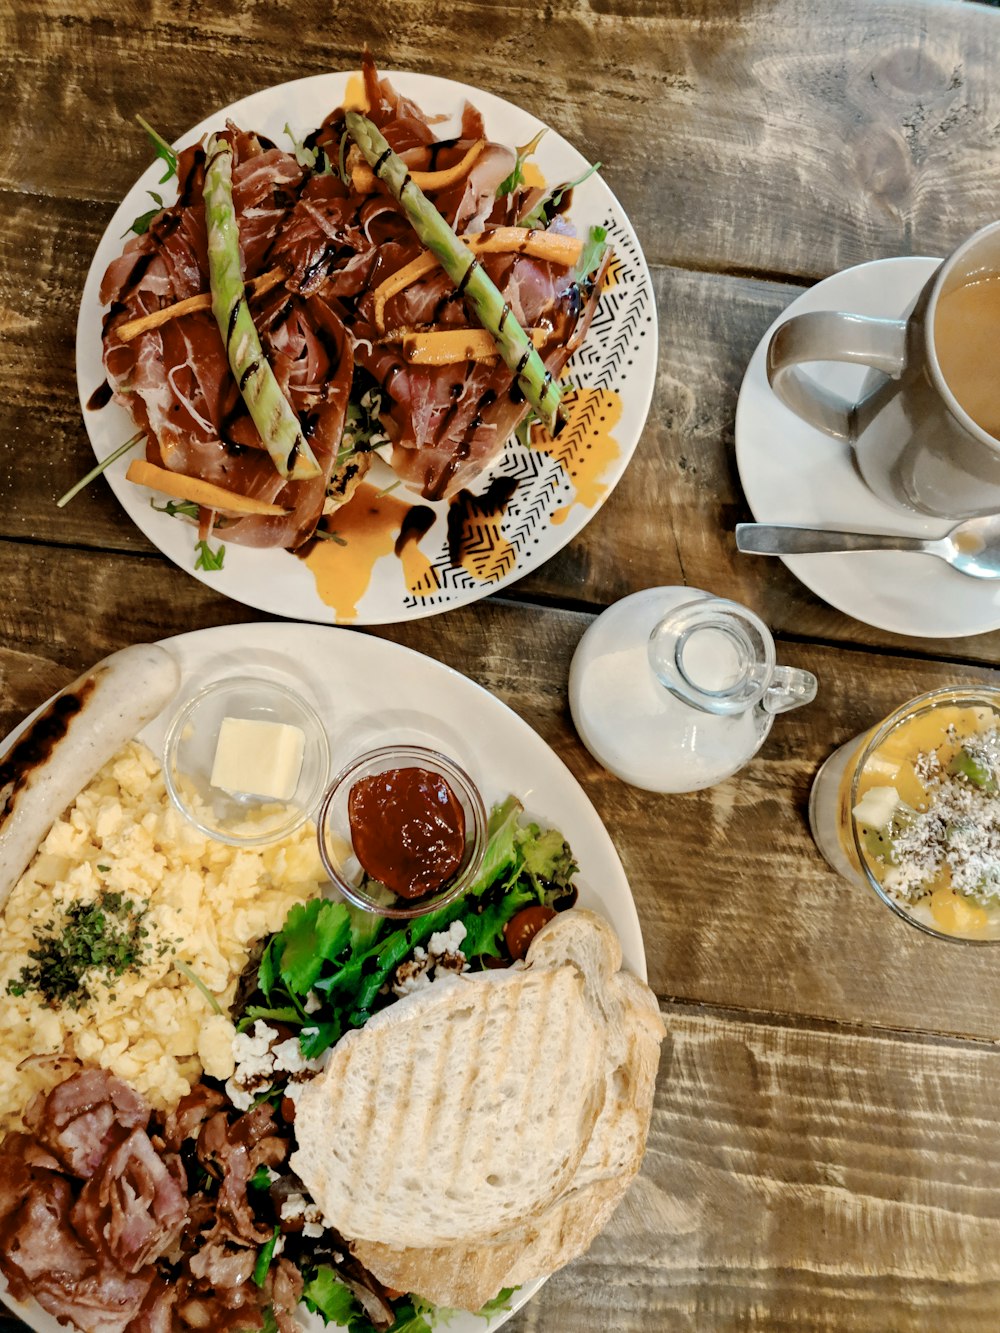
{"x": 602, "y": 362}
{"x": 604, "y": 358}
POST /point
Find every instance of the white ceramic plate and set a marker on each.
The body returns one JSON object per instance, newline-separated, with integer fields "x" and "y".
{"x": 548, "y": 508}
{"x": 371, "y": 692}
{"x": 792, "y": 473}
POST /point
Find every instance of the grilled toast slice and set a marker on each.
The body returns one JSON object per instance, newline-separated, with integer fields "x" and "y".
{"x": 465, "y": 1276}
{"x": 457, "y": 1112}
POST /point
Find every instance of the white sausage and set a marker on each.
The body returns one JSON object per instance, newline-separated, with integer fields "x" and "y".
{"x": 83, "y": 727}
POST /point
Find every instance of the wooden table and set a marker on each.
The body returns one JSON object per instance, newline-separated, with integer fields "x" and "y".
{"x": 825, "y": 1148}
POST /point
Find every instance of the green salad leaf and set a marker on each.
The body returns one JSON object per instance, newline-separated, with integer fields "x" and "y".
{"x": 547, "y": 207}
{"x": 346, "y": 957}
{"x": 510, "y": 183}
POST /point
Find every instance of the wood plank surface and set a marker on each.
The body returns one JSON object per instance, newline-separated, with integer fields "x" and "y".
{"x": 824, "y": 1149}
{"x": 669, "y": 521}
{"x": 797, "y": 1181}
{"x": 731, "y": 917}
{"x": 762, "y": 137}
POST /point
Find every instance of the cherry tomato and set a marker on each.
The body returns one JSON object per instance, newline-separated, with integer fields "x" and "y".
{"x": 523, "y": 926}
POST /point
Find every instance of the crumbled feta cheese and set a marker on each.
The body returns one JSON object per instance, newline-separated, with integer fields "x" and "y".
{"x": 294, "y": 1206}
{"x": 443, "y": 956}
{"x": 447, "y": 941}
{"x": 313, "y": 1003}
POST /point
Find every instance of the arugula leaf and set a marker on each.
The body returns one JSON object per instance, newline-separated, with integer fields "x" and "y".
{"x": 264, "y": 1257}
{"x": 208, "y": 559}
{"x": 510, "y": 183}
{"x": 176, "y": 508}
{"x": 325, "y": 1294}
{"x": 545, "y": 210}
{"x": 141, "y": 225}
{"x": 592, "y": 253}
{"x": 163, "y": 150}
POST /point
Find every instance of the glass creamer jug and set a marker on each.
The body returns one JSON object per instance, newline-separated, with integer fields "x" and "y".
{"x": 673, "y": 689}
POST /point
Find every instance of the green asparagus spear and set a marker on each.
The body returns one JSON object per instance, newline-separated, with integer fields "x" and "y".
{"x": 465, "y": 271}
{"x": 271, "y": 411}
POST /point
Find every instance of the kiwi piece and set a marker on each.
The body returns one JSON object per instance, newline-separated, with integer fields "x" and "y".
{"x": 965, "y": 766}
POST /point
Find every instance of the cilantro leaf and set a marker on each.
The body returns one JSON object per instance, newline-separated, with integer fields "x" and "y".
{"x": 208, "y": 559}
{"x": 313, "y": 933}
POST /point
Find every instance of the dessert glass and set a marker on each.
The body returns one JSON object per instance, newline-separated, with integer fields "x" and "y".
{"x": 914, "y": 752}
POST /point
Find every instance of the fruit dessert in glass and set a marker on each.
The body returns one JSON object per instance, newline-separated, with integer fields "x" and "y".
{"x": 913, "y": 809}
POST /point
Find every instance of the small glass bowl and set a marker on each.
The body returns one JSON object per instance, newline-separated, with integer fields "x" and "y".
{"x": 189, "y": 755}
{"x": 334, "y": 832}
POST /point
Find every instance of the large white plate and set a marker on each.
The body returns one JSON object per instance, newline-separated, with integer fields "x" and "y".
{"x": 547, "y": 509}
{"x": 372, "y": 692}
{"x": 792, "y": 473}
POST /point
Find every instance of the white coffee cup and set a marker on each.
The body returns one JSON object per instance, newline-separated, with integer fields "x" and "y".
{"x": 916, "y": 445}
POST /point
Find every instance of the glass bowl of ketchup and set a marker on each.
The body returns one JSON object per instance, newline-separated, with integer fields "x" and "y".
{"x": 402, "y": 831}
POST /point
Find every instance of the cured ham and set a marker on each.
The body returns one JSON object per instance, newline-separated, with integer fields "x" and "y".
{"x": 323, "y": 240}
{"x": 101, "y": 1225}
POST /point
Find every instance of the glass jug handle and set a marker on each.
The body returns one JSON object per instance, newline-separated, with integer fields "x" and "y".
{"x": 788, "y": 688}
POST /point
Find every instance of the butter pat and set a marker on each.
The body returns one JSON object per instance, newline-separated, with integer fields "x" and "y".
{"x": 256, "y": 758}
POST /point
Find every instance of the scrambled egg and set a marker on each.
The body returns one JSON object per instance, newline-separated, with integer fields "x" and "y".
{"x": 207, "y": 902}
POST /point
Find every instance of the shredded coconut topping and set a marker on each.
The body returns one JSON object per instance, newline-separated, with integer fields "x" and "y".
{"x": 960, "y": 827}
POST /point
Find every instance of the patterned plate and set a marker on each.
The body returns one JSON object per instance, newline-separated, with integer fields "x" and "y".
{"x": 529, "y": 504}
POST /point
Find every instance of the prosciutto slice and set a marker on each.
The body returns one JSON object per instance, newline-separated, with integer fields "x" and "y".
{"x": 326, "y": 242}
{"x": 176, "y": 380}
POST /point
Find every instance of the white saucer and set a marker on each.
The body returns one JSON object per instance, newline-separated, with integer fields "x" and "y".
{"x": 792, "y": 473}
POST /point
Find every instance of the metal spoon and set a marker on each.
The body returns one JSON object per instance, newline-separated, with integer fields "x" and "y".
{"x": 973, "y": 546}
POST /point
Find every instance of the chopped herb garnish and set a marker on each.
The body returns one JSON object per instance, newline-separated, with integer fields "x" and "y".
{"x": 207, "y": 558}
{"x": 105, "y": 870}
{"x": 106, "y": 935}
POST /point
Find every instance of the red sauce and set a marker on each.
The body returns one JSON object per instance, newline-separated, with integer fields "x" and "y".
{"x": 408, "y": 829}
